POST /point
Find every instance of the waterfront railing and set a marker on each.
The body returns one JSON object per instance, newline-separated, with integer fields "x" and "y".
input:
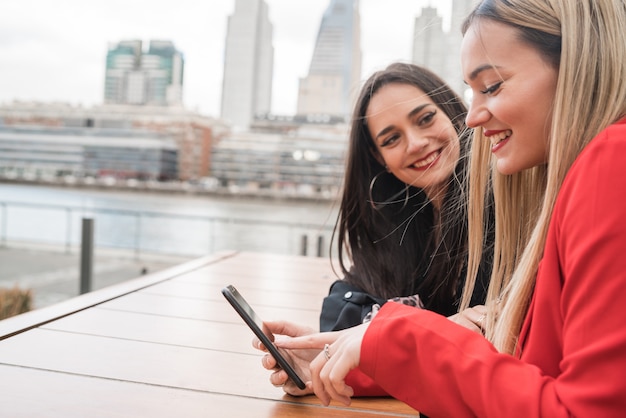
{"x": 142, "y": 232}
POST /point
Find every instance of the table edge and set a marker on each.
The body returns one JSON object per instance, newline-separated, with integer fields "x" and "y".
{"x": 35, "y": 318}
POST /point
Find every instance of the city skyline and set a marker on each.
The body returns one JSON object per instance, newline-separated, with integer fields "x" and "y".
{"x": 59, "y": 54}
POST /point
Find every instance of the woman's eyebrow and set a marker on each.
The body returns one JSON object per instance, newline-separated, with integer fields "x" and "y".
{"x": 411, "y": 114}
{"x": 418, "y": 109}
{"x": 480, "y": 69}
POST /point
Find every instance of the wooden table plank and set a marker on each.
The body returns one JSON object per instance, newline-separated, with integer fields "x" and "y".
{"x": 142, "y": 302}
{"x": 255, "y": 296}
{"x": 311, "y": 277}
{"x": 30, "y": 393}
{"x": 213, "y": 335}
{"x": 311, "y": 285}
{"x": 166, "y": 365}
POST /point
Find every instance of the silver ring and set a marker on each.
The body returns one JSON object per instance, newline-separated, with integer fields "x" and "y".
{"x": 481, "y": 319}
{"x": 326, "y": 352}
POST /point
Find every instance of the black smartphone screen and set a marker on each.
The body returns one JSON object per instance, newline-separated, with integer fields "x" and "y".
{"x": 256, "y": 325}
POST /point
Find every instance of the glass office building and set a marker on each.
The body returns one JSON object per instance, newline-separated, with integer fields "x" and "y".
{"x": 334, "y": 75}
{"x": 137, "y": 77}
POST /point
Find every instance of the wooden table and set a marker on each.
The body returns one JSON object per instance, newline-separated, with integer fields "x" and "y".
{"x": 168, "y": 345}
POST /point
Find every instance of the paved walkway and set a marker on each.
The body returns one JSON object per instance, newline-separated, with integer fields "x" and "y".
{"x": 54, "y": 276}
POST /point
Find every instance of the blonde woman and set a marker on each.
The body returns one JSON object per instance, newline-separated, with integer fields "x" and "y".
{"x": 549, "y": 105}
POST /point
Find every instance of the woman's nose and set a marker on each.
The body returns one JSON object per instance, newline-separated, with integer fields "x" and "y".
{"x": 416, "y": 141}
{"x": 477, "y": 115}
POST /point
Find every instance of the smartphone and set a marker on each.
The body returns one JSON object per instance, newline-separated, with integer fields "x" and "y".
{"x": 256, "y": 325}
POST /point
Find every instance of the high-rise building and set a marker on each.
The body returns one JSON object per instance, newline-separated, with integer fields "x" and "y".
{"x": 439, "y": 50}
{"x": 138, "y": 77}
{"x": 460, "y": 9}
{"x": 335, "y": 72}
{"x": 248, "y": 64}
{"x": 429, "y": 42}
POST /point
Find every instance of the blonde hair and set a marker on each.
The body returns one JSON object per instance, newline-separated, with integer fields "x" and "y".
{"x": 590, "y": 95}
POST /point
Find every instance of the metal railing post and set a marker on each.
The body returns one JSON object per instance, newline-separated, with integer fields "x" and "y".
{"x": 304, "y": 244}
{"x": 137, "y": 235}
{"x": 68, "y": 231}
{"x": 5, "y": 215}
{"x": 86, "y": 256}
{"x": 320, "y": 245}
{"x": 212, "y": 231}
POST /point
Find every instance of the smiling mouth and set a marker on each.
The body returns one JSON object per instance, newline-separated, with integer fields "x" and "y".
{"x": 427, "y": 161}
{"x": 499, "y": 137}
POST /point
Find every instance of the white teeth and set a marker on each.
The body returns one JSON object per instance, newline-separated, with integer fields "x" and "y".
{"x": 495, "y": 139}
{"x": 427, "y": 161}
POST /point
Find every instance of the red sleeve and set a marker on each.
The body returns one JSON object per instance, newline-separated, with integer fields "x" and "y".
{"x": 363, "y": 385}
{"x": 431, "y": 363}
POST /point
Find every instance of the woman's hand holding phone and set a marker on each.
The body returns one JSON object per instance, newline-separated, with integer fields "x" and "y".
{"x": 249, "y": 316}
{"x": 299, "y": 359}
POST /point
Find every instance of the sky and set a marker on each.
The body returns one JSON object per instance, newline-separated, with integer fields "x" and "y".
{"x": 55, "y": 50}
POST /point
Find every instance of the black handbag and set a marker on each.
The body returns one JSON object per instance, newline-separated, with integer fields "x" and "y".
{"x": 346, "y": 306}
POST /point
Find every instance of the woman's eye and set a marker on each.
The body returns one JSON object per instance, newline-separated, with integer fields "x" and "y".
{"x": 389, "y": 140}
{"x": 492, "y": 89}
{"x": 426, "y": 119}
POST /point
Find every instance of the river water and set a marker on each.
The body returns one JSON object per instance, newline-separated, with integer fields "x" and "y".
{"x": 177, "y": 224}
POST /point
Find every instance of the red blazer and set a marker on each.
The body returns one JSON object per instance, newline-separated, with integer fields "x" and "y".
{"x": 572, "y": 357}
